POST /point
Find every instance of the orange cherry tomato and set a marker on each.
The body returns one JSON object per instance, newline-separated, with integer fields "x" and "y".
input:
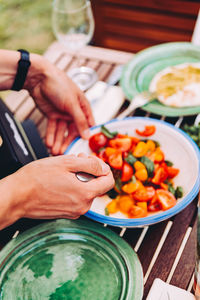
{"x": 166, "y": 199}
{"x": 115, "y": 160}
{"x": 137, "y": 212}
{"x": 97, "y": 141}
{"x": 140, "y": 150}
{"x": 149, "y": 130}
{"x": 144, "y": 194}
{"x": 121, "y": 144}
{"x": 112, "y": 207}
{"x": 125, "y": 203}
{"x": 110, "y": 151}
{"x": 127, "y": 172}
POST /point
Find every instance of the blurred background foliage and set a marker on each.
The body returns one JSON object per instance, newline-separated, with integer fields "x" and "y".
{"x": 26, "y": 24}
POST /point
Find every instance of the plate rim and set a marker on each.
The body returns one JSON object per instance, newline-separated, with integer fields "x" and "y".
{"x": 159, "y": 217}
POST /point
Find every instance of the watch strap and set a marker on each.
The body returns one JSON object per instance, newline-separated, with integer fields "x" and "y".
{"x": 22, "y": 70}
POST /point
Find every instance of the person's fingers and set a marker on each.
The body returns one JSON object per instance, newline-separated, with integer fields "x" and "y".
{"x": 50, "y": 132}
{"x": 101, "y": 185}
{"x": 82, "y": 155}
{"x": 72, "y": 134}
{"x": 81, "y": 121}
{"x": 59, "y": 137}
{"x": 92, "y": 165}
{"x": 87, "y": 110}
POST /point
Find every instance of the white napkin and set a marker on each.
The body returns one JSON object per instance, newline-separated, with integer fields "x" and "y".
{"x": 161, "y": 290}
{"x": 108, "y": 101}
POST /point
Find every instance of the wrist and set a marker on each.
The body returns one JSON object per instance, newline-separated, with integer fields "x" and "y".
{"x": 10, "y": 201}
{"x": 37, "y": 71}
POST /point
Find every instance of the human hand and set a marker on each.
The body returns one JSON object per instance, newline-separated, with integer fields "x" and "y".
{"x": 64, "y": 104}
{"x": 48, "y": 188}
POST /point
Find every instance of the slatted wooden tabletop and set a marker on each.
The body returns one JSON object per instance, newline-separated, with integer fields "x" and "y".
{"x": 166, "y": 250}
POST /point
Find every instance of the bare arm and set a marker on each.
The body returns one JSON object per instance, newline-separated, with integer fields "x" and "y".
{"x": 56, "y": 95}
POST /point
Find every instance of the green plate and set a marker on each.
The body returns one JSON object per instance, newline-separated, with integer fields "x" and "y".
{"x": 138, "y": 73}
{"x": 69, "y": 260}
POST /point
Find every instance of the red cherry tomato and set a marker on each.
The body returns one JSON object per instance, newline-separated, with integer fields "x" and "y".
{"x": 121, "y": 144}
{"x": 127, "y": 172}
{"x": 149, "y": 130}
{"x": 97, "y": 141}
{"x": 160, "y": 176}
{"x": 115, "y": 160}
{"x": 166, "y": 199}
{"x": 172, "y": 172}
{"x": 144, "y": 194}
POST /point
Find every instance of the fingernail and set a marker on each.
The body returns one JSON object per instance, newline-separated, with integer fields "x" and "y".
{"x": 105, "y": 167}
{"x": 86, "y": 134}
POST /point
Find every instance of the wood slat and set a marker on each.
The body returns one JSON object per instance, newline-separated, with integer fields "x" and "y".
{"x": 104, "y": 71}
{"x": 173, "y": 241}
{"x": 15, "y": 99}
{"x": 36, "y": 116}
{"x": 25, "y": 109}
{"x": 159, "y": 35}
{"x": 187, "y": 262}
{"x": 141, "y": 16}
{"x": 124, "y": 25}
{"x": 172, "y": 6}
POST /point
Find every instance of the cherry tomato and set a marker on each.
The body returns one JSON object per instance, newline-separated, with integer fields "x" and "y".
{"x": 160, "y": 176}
{"x": 172, "y": 172}
{"x": 127, "y": 172}
{"x": 97, "y": 141}
{"x": 149, "y": 130}
{"x": 121, "y": 144}
{"x": 166, "y": 199}
{"x": 115, "y": 160}
{"x": 144, "y": 194}
{"x": 152, "y": 207}
{"x": 137, "y": 212}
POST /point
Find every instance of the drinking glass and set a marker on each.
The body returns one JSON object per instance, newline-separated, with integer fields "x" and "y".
{"x": 73, "y": 26}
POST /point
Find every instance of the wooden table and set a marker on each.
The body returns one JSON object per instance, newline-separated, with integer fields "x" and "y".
{"x": 166, "y": 250}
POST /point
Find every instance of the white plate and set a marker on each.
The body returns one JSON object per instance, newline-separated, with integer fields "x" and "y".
{"x": 178, "y": 148}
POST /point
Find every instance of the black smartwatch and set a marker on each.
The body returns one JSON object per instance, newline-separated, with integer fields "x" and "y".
{"x": 22, "y": 70}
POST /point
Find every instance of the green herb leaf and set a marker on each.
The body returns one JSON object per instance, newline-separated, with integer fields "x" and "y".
{"x": 148, "y": 164}
{"x": 130, "y": 159}
{"x": 171, "y": 189}
{"x": 106, "y": 211}
{"x": 101, "y": 149}
{"x": 133, "y": 179}
{"x": 169, "y": 163}
{"x": 118, "y": 184}
{"x": 179, "y": 192}
{"x": 107, "y": 133}
{"x": 112, "y": 194}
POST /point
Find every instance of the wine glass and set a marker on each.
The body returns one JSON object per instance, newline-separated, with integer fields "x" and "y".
{"x": 73, "y": 26}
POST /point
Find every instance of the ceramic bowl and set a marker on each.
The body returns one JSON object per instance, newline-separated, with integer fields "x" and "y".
{"x": 178, "y": 148}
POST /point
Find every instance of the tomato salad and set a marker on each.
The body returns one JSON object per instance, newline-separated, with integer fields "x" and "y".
{"x": 143, "y": 178}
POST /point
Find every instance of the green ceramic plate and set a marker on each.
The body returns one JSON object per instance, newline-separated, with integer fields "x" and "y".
{"x": 69, "y": 260}
{"x": 138, "y": 73}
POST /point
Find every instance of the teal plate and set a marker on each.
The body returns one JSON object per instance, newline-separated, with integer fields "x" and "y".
{"x": 69, "y": 260}
{"x": 139, "y": 72}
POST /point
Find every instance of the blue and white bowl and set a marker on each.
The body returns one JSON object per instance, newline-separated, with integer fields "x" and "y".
{"x": 178, "y": 148}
